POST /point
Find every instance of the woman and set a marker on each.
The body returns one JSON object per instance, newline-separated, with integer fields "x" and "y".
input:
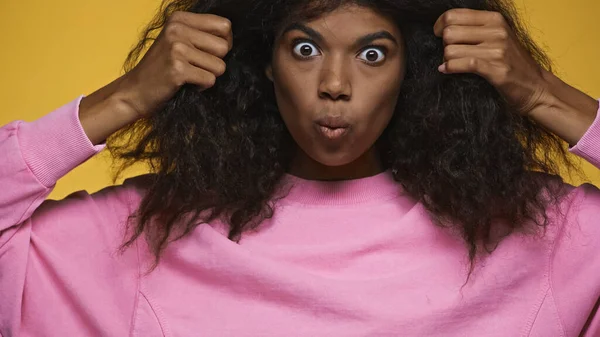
{"x": 332, "y": 168}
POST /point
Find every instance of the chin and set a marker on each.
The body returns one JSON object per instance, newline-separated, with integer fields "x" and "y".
{"x": 334, "y": 158}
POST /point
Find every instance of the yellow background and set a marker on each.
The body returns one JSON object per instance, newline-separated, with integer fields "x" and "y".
{"x": 53, "y": 51}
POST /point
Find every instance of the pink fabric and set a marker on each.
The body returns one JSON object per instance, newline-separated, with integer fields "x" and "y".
{"x": 353, "y": 258}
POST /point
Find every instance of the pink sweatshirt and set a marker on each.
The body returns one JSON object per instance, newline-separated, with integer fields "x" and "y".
{"x": 352, "y": 258}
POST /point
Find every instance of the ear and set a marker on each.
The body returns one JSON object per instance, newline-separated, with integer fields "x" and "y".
{"x": 269, "y": 72}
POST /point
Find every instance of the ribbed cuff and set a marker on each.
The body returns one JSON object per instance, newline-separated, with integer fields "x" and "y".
{"x": 588, "y": 146}
{"x": 55, "y": 144}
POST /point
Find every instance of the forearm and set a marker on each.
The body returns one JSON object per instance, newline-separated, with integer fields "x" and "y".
{"x": 565, "y": 111}
{"x": 105, "y": 111}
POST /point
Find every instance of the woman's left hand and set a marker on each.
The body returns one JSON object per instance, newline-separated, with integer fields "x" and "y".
{"x": 482, "y": 42}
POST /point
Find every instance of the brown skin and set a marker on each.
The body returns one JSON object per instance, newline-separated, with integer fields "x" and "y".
{"x": 189, "y": 49}
{"x": 336, "y": 79}
{"x": 482, "y": 43}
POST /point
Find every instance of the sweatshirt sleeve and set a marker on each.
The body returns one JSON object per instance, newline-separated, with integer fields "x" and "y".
{"x": 588, "y": 146}
{"x": 575, "y": 260}
{"x": 58, "y": 260}
{"x": 35, "y": 155}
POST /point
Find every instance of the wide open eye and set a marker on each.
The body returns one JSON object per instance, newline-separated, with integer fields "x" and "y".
{"x": 372, "y": 55}
{"x": 306, "y": 49}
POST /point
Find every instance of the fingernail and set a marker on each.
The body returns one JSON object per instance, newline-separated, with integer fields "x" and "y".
{"x": 442, "y": 68}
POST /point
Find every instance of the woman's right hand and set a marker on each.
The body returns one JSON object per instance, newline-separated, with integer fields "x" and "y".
{"x": 189, "y": 50}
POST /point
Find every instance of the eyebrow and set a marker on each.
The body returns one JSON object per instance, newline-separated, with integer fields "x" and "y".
{"x": 363, "y": 40}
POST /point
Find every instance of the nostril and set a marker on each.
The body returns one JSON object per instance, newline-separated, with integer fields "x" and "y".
{"x": 334, "y": 96}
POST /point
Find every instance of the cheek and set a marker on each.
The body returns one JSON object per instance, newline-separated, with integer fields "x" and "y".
{"x": 294, "y": 88}
{"x": 377, "y": 103}
{"x": 296, "y": 97}
{"x": 291, "y": 94}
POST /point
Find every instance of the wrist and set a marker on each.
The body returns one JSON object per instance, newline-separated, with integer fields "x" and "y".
{"x": 104, "y": 112}
{"x": 127, "y": 99}
{"x": 564, "y": 110}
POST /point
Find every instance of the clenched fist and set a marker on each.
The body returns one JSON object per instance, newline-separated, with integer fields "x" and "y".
{"x": 189, "y": 49}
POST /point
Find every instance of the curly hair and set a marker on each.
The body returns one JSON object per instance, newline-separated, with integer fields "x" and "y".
{"x": 453, "y": 143}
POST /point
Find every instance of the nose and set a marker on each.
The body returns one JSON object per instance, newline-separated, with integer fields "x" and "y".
{"x": 335, "y": 81}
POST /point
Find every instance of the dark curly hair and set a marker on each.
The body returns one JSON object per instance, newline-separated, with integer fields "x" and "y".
{"x": 453, "y": 143}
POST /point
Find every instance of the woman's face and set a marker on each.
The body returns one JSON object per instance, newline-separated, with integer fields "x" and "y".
{"x": 337, "y": 80}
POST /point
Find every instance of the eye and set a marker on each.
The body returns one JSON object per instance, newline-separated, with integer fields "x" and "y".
{"x": 373, "y": 55}
{"x": 306, "y": 49}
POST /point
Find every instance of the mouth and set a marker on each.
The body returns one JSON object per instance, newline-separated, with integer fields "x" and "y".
{"x": 332, "y": 128}
{"x": 333, "y": 122}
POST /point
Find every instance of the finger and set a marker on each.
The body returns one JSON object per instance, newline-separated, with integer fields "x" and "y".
{"x": 473, "y": 35}
{"x": 200, "y": 77}
{"x": 458, "y": 51}
{"x": 213, "y": 24}
{"x": 465, "y": 17}
{"x": 468, "y": 65}
{"x": 204, "y": 41}
{"x": 204, "y": 60}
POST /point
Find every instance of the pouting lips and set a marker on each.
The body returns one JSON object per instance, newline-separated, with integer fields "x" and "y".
{"x": 332, "y": 133}
{"x": 333, "y": 122}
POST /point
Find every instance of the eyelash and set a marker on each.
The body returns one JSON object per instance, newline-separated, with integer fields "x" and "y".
{"x": 381, "y": 48}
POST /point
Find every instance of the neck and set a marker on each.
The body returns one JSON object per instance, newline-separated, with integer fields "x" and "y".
{"x": 367, "y": 165}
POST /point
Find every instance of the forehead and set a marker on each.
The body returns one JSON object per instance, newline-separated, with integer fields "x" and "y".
{"x": 348, "y": 20}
